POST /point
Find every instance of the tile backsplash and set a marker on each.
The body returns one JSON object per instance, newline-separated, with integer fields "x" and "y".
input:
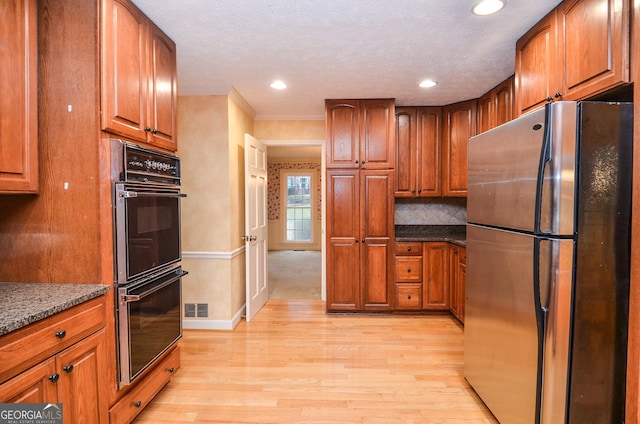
{"x": 431, "y": 211}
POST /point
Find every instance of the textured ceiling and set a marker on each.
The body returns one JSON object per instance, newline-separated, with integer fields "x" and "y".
{"x": 341, "y": 49}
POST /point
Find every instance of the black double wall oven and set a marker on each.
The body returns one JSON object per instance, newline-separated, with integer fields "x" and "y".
{"x": 148, "y": 273}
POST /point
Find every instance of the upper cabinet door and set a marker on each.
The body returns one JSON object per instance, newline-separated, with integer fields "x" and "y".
{"x": 377, "y": 134}
{"x": 459, "y": 125}
{"x": 163, "y": 87}
{"x": 124, "y": 69}
{"x": 406, "y": 152}
{"x": 503, "y": 103}
{"x": 593, "y": 41}
{"x": 343, "y": 133}
{"x": 360, "y": 133}
{"x": 429, "y": 134}
{"x": 535, "y": 65}
{"x": 18, "y": 101}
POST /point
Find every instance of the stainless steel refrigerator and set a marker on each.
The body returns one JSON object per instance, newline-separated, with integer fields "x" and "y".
{"x": 548, "y": 252}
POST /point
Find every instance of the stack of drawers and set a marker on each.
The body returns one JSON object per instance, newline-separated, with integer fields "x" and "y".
{"x": 408, "y": 276}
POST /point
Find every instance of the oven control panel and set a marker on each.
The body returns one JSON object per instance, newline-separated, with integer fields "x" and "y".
{"x": 145, "y": 165}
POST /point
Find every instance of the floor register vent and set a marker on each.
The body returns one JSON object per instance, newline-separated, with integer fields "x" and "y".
{"x": 196, "y": 310}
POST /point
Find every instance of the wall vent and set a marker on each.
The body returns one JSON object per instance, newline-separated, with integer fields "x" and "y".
{"x": 196, "y": 310}
{"x": 202, "y": 310}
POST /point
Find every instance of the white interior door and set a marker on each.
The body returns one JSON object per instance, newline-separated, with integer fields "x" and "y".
{"x": 256, "y": 230}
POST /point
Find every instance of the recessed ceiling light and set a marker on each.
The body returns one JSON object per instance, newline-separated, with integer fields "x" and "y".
{"x": 427, "y": 83}
{"x": 278, "y": 85}
{"x": 487, "y": 7}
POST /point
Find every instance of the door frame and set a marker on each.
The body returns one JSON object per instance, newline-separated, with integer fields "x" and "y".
{"x": 323, "y": 167}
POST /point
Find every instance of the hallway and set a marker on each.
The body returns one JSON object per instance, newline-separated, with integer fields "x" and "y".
{"x": 295, "y": 364}
{"x": 295, "y": 274}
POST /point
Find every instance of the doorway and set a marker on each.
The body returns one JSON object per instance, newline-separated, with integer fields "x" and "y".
{"x": 296, "y": 264}
{"x": 295, "y": 274}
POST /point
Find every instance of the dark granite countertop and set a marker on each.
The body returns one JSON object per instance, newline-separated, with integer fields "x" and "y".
{"x": 451, "y": 233}
{"x": 25, "y": 303}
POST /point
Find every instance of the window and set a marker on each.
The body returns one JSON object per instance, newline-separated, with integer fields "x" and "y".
{"x": 298, "y": 189}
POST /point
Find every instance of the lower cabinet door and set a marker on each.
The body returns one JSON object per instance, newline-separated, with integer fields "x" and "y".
{"x": 35, "y": 385}
{"x": 81, "y": 388}
{"x": 435, "y": 276}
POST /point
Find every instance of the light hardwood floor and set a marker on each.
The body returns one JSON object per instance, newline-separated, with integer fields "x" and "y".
{"x": 295, "y": 364}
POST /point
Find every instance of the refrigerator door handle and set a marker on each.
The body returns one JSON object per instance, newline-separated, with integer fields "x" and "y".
{"x": 542, "y": 224}
{"x": 555, "y": 270}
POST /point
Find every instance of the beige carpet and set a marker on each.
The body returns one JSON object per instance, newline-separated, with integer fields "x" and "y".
{"x": 294, "y": 274}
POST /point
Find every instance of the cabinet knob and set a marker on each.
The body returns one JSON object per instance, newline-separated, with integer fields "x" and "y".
{"x": 60, "y": 334}
{"x": 363, "y": 240}
{"x": 147, "y": 129}
{"x": 413, "y": 191}
{"x": 171, "y": 370}
{"x": 356, "y": 161}
{"x": 68, "y": 368}
{"x": 408, "y": 249}
{"x": 137, "y": 404}
{"x": 557, "y": 95}
{"x": 419, "y": 191}
{"x": 55, "y": 377}
{"x": 549, "y": 98}
{"x": 357, "y": 241}
{"x": 408, "y": 269}
{"x": 409, "y": 297}
{"x": 155, "y": 131}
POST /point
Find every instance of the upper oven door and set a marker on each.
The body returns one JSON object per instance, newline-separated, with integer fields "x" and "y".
{"x": 147, "y": 221}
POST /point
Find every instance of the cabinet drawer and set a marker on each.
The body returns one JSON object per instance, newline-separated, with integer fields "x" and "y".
{"x": 27, "y": 346}
{"x": 408, "y": 269}
{"x": 136, "y": 399}
{"x": 408, "y": 296}
{"x": 409, "y": 248}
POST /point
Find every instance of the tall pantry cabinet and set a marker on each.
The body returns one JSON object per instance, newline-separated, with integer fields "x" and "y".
{"x": 360, "y": 204}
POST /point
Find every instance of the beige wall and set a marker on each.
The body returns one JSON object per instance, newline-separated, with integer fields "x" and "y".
{"x": 211, "y": 132}
{"x": 289, "y": 130}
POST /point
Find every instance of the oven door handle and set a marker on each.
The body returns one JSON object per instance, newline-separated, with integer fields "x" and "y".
{"x": 127, "y": 194}
{"x": 128, "y": 298}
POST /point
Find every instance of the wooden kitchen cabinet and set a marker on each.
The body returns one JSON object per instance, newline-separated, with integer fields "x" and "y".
{"x": 578, "y": 50}
{"x": 359, "y": 240}
{"x": 457, "y": 280}
{"x": 19, "y": 101}
{"x": 593, "y": 46}
{"x": 496, "y": 106}
{"x": 139, "y": 78}
{"x": 418, "y": 147}
{"x": 360, "y": 133}
{"x": 459, "y": 123}
{"x": 60, "y": 359}
{"x": 435, "y": 295}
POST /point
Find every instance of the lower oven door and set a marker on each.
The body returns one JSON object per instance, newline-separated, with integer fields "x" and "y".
{"x": 149, "y": 321}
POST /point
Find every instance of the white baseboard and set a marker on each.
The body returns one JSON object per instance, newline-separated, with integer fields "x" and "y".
{"x": 214, "y": 324}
